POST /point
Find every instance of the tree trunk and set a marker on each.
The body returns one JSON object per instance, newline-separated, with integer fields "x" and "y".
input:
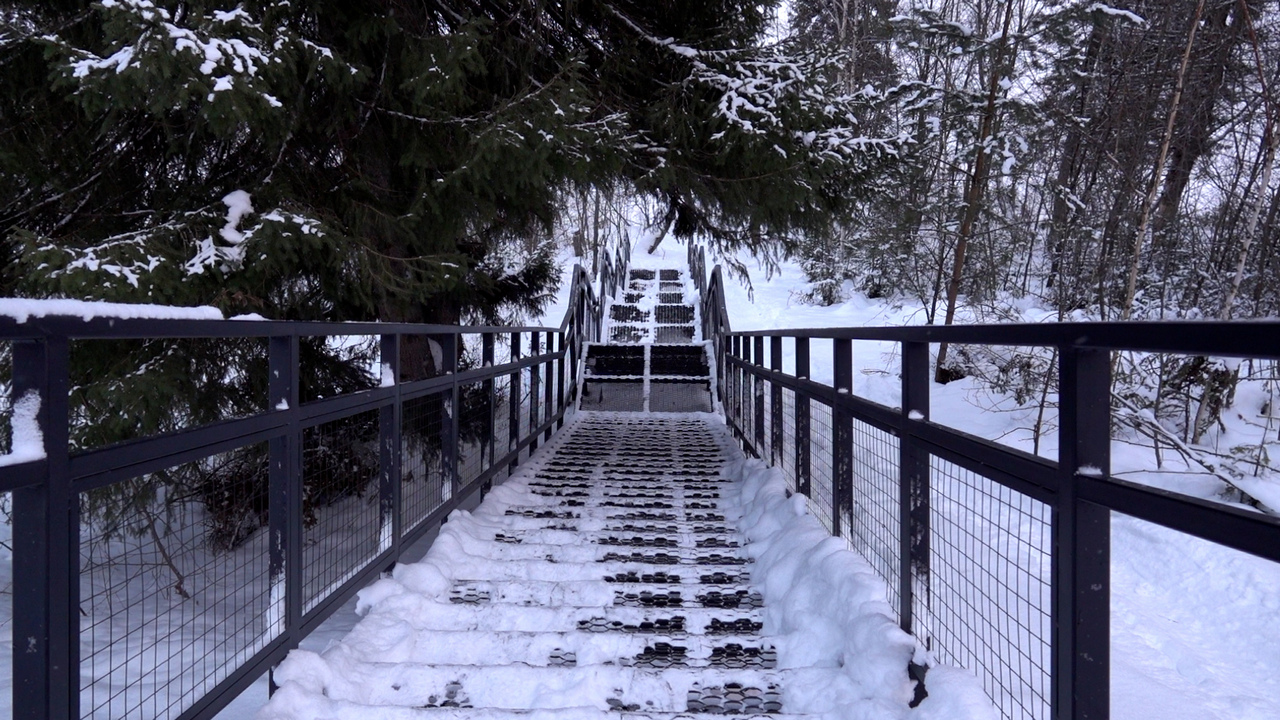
{"x": 1126, "y": 308}
{"x": 975, "y": 186}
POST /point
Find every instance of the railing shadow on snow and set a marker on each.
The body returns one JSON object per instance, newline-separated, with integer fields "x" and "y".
{"x": 148, "y": 621}
{"x": 996, "y": 559}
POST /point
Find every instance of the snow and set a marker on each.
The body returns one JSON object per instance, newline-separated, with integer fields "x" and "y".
{"x": 28, "y": 441}
{"x": 238, "y": 205}
{"x": 1116, "y": 12}
{"x": 826, "y": 607}
{"x": 22, "y": 310}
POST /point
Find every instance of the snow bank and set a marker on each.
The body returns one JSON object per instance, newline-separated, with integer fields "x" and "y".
{"x": 825, "y": 607}
{"x": 22, "y": 310}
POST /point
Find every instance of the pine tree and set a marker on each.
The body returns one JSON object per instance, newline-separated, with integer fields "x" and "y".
{"x": 374, "y": 161}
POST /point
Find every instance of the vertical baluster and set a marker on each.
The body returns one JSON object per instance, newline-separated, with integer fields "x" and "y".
{"x": 841, "y": 436}
{"x": 757, "y": 399}
{"x": 513, "y": 404}
{"x": 1081, "y": 570}
{"x": 284, "y": 514}
{"x": 389, "y": 423}
{"x": 913, "y": 490}
{"x": 490, "y": 443}
{"x": 804, "y": 448}
{"x": 46, "y": 547}
{"x": 775, "y": 402}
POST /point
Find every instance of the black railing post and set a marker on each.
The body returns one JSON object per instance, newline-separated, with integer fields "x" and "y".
{"x": 562, "y": 379}
{"x": 535, "y": 385}
{"x": 46, "y": 546}
{"x": 1081, "y": 580}
{"x": 513, "y": 404}
{"x": 775, "y": 403}
{"x": 803, "y": 445}
{"x": 757, "y": 393}
{"x": 551, "y": 371}
{"x": 284, "y": 509}
{"x": 913, "y": 489}
{"x": 841, "y": 436}
{"x": 737, "y": 391}
{"x": 449, "y": 430}
{"x": 389, "y": 424}
{"x": 487, "y": 342}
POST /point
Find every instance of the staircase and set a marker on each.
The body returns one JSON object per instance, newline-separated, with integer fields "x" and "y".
{"x": 621, "y": 577}
{"x": 607, "y": 579}
{"x": 655, "y": 360}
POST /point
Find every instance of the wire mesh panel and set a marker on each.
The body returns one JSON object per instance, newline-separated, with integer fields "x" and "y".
{"x": 6, "y": 398}
{"x": 763, "y": 395}
{"x": 821, "y": 437}
{"x": 745, "y": 409}
{"x": 873, "y": 526}
{"x": 501, "y": 415}
{"x": 423, "y": 484}
{"x": 473, "y": 431}
{"x": 6, "y": 594}
{"x": 340, "y": 516}
{"x": 989, "y": 603}
{"x": 130, "y": 389}
{"x": 174, "y": 585}
{"x": 526, "y": 397}
{"x": 788, "y": 458}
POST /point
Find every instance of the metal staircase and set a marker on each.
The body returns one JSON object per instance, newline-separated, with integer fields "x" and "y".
{"x": 655, "y": 360}
{"x": 621, "y": 564}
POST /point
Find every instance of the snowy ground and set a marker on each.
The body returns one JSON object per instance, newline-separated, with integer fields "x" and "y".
{"x": 1195, "y": 626}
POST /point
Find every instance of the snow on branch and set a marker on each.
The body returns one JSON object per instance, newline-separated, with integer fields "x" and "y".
{"x": 771, "y": 92}
{"x": 153, "y": 51}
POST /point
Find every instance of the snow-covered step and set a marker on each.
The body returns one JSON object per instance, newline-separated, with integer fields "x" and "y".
{"x": 421, "y": 614}
{"x": 580, "y": 648}
{"x": 516, "y": 686}
{"x": 520, "y": 523}
{"x": 634, "y": 536}
{"x": 600, "y": 594}
{"x": 658, "y": 550}
{"x": 346, "y": 710}
{"x": 637, "y": 561}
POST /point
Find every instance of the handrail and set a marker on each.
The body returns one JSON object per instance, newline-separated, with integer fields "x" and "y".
{"x": 540, "y": 384}
{"x": 885, "y": 502}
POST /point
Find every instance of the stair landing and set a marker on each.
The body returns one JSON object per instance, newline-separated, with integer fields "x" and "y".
{"x": 655, "y": 360}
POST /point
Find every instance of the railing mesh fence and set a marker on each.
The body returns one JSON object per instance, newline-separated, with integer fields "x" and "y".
{"x": 173, "y": 596}
{"x": 989, "y": 601}
{"x": 473, "y": 431}
{"x": 873, "y": 527}
{"x": 788, "y": 457}
{"x": 423, "y": 486}
{"x": 340, "y": 513}
{"x": 821, "y": 466}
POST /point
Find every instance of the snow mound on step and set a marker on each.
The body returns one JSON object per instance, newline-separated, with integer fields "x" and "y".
{"x": 826, "y": 607}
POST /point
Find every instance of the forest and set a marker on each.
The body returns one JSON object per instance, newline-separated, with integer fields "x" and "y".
{"x": 423, "y": 161}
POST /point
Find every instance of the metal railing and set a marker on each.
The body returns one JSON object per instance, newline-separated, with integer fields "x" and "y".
{"x": 130, "y": 614}
{"x": 996, "y": 559}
